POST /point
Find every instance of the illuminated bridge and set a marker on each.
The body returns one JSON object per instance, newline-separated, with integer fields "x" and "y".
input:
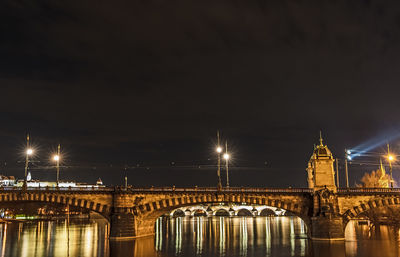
{"x": 132, "y": 212}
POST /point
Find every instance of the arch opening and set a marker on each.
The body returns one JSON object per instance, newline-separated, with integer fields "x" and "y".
{"x": 222, "y": 212}
{"x": 388, "y": 215}
{"x": 200, "y": 206}
{"x": 244, "y": 212}
{"x": 225, "y": 229}
{"x": 46, "y": 210}
{"x": 178, "y": 213}
{"x": 267, "y": 212}
{"x": 200, "y": 213}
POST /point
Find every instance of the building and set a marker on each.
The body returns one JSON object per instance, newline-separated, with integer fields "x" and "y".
{"x": 7, "y": 181}
{"x": 37, "y": 183}
{"x": 320, "y": 168}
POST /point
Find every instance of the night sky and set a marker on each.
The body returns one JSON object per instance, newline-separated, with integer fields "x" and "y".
{"x": 128, "y": 87}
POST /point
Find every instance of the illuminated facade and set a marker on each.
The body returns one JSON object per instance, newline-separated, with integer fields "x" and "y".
{"x": 7, "y": 181}
{"x": 320, "y": 169}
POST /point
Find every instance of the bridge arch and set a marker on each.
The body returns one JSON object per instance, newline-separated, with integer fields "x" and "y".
{"x": 372, "y": 208}
{"x": 178, "y": 213}
{"x": 222, "y": 212}
{"x": 88, "y": 202}
{"x": 267, "y": 212}
{"x": 199, "y": 212}
{"x": 370, "y": 204}
{"x": 164, "y": 205}
{"x": 146, "y": 213}
{"x": 244, "y": 212}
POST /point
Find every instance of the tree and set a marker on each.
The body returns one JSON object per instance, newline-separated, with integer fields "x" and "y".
{"x": 377, "y": 178}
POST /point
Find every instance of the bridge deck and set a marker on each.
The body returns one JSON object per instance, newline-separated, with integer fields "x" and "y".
{"x": 159, "y": 189}
{"x": 360, "y": 190}
{"x": 195, "y": 190}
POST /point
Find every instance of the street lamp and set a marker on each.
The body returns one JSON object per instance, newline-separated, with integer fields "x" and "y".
{"x": 56, "y": 158}
{"x": 29, "y": 151}
{"x": 219, "y": 151}
{"x": 390, "y": 158}
{"x": 226, "y": 157}
{"x": 346, "y": 168}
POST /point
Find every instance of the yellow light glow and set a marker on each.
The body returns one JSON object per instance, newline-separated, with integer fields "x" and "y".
{"x": 390, "y": 157}
{"x": 226, "y": 156}
{"x": 56, "y": 157}
{"x": 29, "y": 151}
{"x": 219, "y": 149}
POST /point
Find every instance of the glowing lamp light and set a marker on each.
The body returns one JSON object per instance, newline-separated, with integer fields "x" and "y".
{"x": 219, "y": 149}
{"x": 349, "y": 158}
{"x": 348, "y": 152}
{"x": 56, "y": 157}
{"x": 226, "y": 156}
{"x": 390, "y": 157}
{"x": 29, "y": 151}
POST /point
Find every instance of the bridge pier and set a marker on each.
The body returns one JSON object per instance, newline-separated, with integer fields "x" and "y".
{"x": 126, "y": 226}
{"x": 125, "y": 223}
{"x": 327, "y": 228}
{"x": 122, "y": 226}
{"x": 326, "y": 221}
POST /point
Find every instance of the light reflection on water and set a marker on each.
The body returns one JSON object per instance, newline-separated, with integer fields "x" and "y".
{"x": 196, "y": 236}
{"x": 238, "y": 236}
{"x": 51, "y": 238}
{"x": 267, "y": 237}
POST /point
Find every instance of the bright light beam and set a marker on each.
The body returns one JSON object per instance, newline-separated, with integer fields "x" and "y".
{"x": 373, "y": 143}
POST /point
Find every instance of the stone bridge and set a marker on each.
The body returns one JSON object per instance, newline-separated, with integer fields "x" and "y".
{"x": 228, "y": 210}
{"x": 132, "y": 212}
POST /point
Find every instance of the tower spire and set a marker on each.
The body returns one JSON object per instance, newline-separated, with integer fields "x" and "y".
{"x": 381, "y": 165}
{"x": 320, "y": 138}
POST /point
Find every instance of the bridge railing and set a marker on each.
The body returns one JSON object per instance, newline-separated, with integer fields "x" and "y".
{"x": 172, "y": 189}
{"x": 368, "y": 190}
{"x": 14, "y": 188}
{"x": 161, "y": 189}
{"x": 222, "y": 190}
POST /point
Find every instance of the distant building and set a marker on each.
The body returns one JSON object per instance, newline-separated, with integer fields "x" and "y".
{"x": 11, "y": 181}
{"x": 99, "y": 182}
{"x": 7, "y": 181}
{"x": 38, "y": 183}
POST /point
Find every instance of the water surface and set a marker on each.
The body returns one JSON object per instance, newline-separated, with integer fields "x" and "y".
{"x": 196, "y": 236}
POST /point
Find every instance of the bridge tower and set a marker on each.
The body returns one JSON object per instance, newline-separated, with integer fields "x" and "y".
{"x": 326, "y": 221}
{"x": 320, "y": 170}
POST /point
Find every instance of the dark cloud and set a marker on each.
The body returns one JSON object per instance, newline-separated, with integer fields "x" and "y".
{"x": 128, "y": 81}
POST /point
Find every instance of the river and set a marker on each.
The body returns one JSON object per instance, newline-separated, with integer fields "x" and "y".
{"x": 197, "y": 236}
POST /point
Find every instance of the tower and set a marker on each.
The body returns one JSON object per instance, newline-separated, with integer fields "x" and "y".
{"x": 383, "y": 178}
{"x": 320, "y": 168}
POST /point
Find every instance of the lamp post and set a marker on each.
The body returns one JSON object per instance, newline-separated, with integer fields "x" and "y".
{"x": 219, "y": 151}
{"x": 337, "y": 172}
{"x": 226, "y": 157}
{"x": 56, "y": 158}
{"x": 390, "y": 158}
{"x": 347, "y": 157}
{"x": 29, "y": 152}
